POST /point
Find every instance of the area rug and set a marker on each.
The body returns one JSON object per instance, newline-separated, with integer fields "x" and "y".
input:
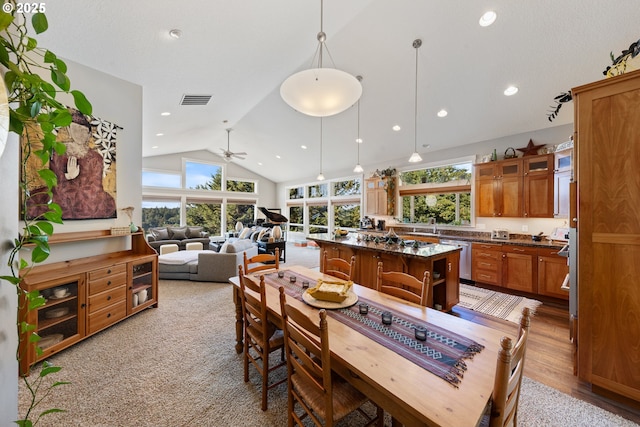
{"x": 496, "y": 304}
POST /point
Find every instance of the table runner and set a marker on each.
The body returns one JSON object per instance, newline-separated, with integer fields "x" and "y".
{"x": 442, "y": 354}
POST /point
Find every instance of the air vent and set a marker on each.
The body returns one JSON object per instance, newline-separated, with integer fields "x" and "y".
{"x": 195, "y": 99}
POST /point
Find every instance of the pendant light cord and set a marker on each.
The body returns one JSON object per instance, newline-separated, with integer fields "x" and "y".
{"x": 415, "y": 117}
{"x": 320, "y": 144}
{"x": 358, "y": 141}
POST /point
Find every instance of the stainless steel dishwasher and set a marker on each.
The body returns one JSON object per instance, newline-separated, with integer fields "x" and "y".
{"x": 465, "y": 256}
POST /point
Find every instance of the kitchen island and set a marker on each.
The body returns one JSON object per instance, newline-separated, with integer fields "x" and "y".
{"x": 442, "y": 262}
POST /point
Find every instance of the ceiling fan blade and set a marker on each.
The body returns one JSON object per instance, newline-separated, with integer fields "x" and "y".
{"x": 241, "y": 154}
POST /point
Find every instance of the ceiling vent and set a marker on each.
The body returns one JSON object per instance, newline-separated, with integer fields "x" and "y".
{"x": 195, "y": 99}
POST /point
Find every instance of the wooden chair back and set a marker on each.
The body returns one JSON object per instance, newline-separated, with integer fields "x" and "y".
{"x": 404, "y": 285}
{"x": 275, "y": 258}
{"x": 261, "y": 336}
{"x": 509, "y": 370}
{"x": 338, "y": 267}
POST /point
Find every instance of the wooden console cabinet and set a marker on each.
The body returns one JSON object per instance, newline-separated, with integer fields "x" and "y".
{"x": 100, "y": 291}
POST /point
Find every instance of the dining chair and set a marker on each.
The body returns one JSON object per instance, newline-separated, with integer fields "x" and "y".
{"x": 322, "y": 394}
{"x": 338, "y": 267}
{"x": 260, "y": 259}
{"x": 403, "y": 285}
{"x": 261, "y": 337}
{"x": 509, "y": 369}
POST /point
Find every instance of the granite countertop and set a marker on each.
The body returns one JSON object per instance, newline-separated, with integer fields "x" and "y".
{"x": 426, "y": 250}
{"x": 473, "y": 236}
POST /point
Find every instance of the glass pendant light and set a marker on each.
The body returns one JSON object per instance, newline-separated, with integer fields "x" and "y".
{"x": 415, "y": 157}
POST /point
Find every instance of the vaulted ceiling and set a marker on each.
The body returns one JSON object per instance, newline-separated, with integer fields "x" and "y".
{"x": 240, "y": 52}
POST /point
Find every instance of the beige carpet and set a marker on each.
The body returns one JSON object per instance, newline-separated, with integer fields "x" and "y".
{"x": 497, "y": 304}
{"x": 176, "y": 366}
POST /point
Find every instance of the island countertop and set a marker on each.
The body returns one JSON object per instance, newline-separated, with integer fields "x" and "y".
{"x": 425, "y": 250}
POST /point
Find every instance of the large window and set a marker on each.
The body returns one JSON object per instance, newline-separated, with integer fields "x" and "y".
{"x": 296, "y": 218}
{"x": 202, "y": 176}
{"x": 245, "y": 213}
{"x": 241, "y": 186}
{"x": 318, "y": 190}
{"x": 159, "y": 213}
{"x": 161, "y": 179}
{"x": 318, "y": 219}
{"x": 441, "y": 194}
{"x": 206, "y": 214}
{"x": 348, "y": 187}
{"x": 346, "y": 215}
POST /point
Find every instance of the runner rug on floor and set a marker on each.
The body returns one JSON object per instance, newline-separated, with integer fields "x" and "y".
{"x": 497, "y": 304}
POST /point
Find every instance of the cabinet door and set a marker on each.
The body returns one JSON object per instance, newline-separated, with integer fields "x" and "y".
{"x": 561, "y": 194}
{"x": 552, "y": 270}
{"x": 519, "y": 268}
{"x": 510, "y": 196}
{"x": 485, "y": 172}
{"x": 367, "y": 268}
{"x": 452, "y": 282}
{"x": 485, "y": 198}
{"x": 143, "y": 285}
{"x": 563, "y": 161}
{"x": 538, "y": 165}
{"x": 538, "y": 195}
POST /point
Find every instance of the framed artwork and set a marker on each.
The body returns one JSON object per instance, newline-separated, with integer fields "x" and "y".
{"x": 86, "y": 172}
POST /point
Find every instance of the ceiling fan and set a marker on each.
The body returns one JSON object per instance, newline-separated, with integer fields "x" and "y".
{"x": 227, "y": 154}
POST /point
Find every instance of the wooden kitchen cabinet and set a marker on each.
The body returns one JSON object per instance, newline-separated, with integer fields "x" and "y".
{"x": 607, "y": 149}
{"x": 499, "y": 188}
{"x": 379, "y": 196}
{"x": 537, "y": 186}
{"x": 519, "y": 268}
{"x": 552, "y": 270}
{"x": 486, "y": 260}
{"x": 100, "y": 292}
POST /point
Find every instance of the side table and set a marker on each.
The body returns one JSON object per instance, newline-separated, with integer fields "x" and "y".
{"x": 270, "y": 248}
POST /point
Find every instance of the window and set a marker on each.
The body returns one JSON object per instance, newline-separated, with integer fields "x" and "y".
{"x": 245, "y": 213}
{"x": 241, "y": 186}
{"x": 347, "y": 188}
{"x": 159, "y": 213}
{"x": 296, "y": 193}
{"x": 202, "y": 176}
{"x": 296, "y": 218}
{"x": 318, "y": 219}
{"x": 442, "y": 193}
{"x": 207, "y": 214}
{"x": 161, "y": 179}
{"x": 318, "y": 190}
{"x": 346, "y": 215}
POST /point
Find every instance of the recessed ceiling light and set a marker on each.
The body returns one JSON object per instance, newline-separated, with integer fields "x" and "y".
{"x": 278, "y": 156}
{"x": 511, "y": 90}
{"x": 442, "y": 113}
{"x": 159, "y": 134}
{"x": 304, "y": 147}
{"x": 175, "y": 34}
{"x": 359, "y": 140}
{"x": 488, "y": 18}
{"x": 154, "y": 147}
{"x": 166, "y": 113}
{"x": 396, "y": 128}
{"x": 259, "y": 163}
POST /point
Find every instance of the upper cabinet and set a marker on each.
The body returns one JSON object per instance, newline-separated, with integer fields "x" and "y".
{"x": 520, "y": 188}
{"x": 380, "y": 196}
{"x": 563, "y": 161}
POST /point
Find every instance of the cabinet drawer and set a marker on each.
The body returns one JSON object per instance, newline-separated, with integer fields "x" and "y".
{"x": 485, "y": 254}
{"x": 485, "y": 276}
{"x": 524, "y": 250}
{"x": 108, "y": 315}
{"x": 106, "y": 298}
{"x": 487, "y": 264}
{"x": 105, "y": 283}
{"x": 107, "y": 271}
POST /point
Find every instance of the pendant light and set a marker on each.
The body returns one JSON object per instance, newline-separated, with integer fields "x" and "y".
{"x": 358, "y": 168}
{"x": 320, "y": 176}
{"x": 415, "y": 157}
{"x": 321, "y": 92}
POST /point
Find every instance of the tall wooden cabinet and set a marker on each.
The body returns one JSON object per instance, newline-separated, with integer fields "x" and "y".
{"x": 607, "y": 154}
{"x": 86, "y": 295}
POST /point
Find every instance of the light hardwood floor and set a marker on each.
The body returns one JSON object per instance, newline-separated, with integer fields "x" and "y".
{"x": 549, "y": 357}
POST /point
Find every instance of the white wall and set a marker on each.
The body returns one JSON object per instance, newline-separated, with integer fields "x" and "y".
{"x": 9, "y": 163}
{"x": 114, "y": 100}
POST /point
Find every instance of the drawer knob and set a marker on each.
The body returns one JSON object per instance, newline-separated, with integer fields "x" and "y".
{"x": 109, "y": 282}
{"x": 108, "y": 314}
{"x": 109, "y": 271}
{"x": 109, "y": 298}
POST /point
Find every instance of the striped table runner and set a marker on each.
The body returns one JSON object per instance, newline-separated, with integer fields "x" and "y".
{"x": 442, "y": 354}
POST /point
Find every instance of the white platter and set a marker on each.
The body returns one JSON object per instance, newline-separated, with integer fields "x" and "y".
{"x": 56, "y": 312}
{"x": 63, "y": 296}
{"x": 49, "y": 340}
{"x": 351, "y": 299}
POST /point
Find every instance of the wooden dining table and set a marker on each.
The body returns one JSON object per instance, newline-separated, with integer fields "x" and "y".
{"x": 410, "y": 393}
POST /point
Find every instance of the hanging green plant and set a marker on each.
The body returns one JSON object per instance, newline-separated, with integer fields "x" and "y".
{"x": 35, "y": 114}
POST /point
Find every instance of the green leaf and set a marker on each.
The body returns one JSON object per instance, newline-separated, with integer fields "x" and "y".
{"x": 46, "y": 370}
{"x": 62, "y": 118}
{"x": 5, "y": 20}
{"x": 39, "y": 254}
{"x": 61, "y": 65}
{"x": 82, "y": 103}
{"x": 48, "y": 89}
{"x": 11, "y": 279}
{"x": 35, "y": 108}
{"x": 48, "y": 176}
{"x": 4, "y": 56}
{"x": 23, "y": 263}
{"x": 49, "y": 57}
{"x": 60, "y": 79}
{"x": 16, "y": 124}
{"x": 51, "y": 411}
{"x": 31, "y": 43}
{"x": 39, "y": 22}
{"x": 46, "y": 227}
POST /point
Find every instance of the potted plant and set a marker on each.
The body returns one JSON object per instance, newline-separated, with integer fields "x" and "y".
{"x": 35, "y": 114}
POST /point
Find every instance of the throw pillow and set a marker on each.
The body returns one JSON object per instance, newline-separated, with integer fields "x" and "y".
{"x": 231, "y": 248}
{"x": 245, "y": 233}
{"x": 178, "y": 233}
{"x": 194, "y": 232}
{"x": 223, "y": 248}
{"x": 160, "y": 233}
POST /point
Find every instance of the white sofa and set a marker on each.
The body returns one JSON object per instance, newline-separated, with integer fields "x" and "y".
{"x": 206, "y": 265}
